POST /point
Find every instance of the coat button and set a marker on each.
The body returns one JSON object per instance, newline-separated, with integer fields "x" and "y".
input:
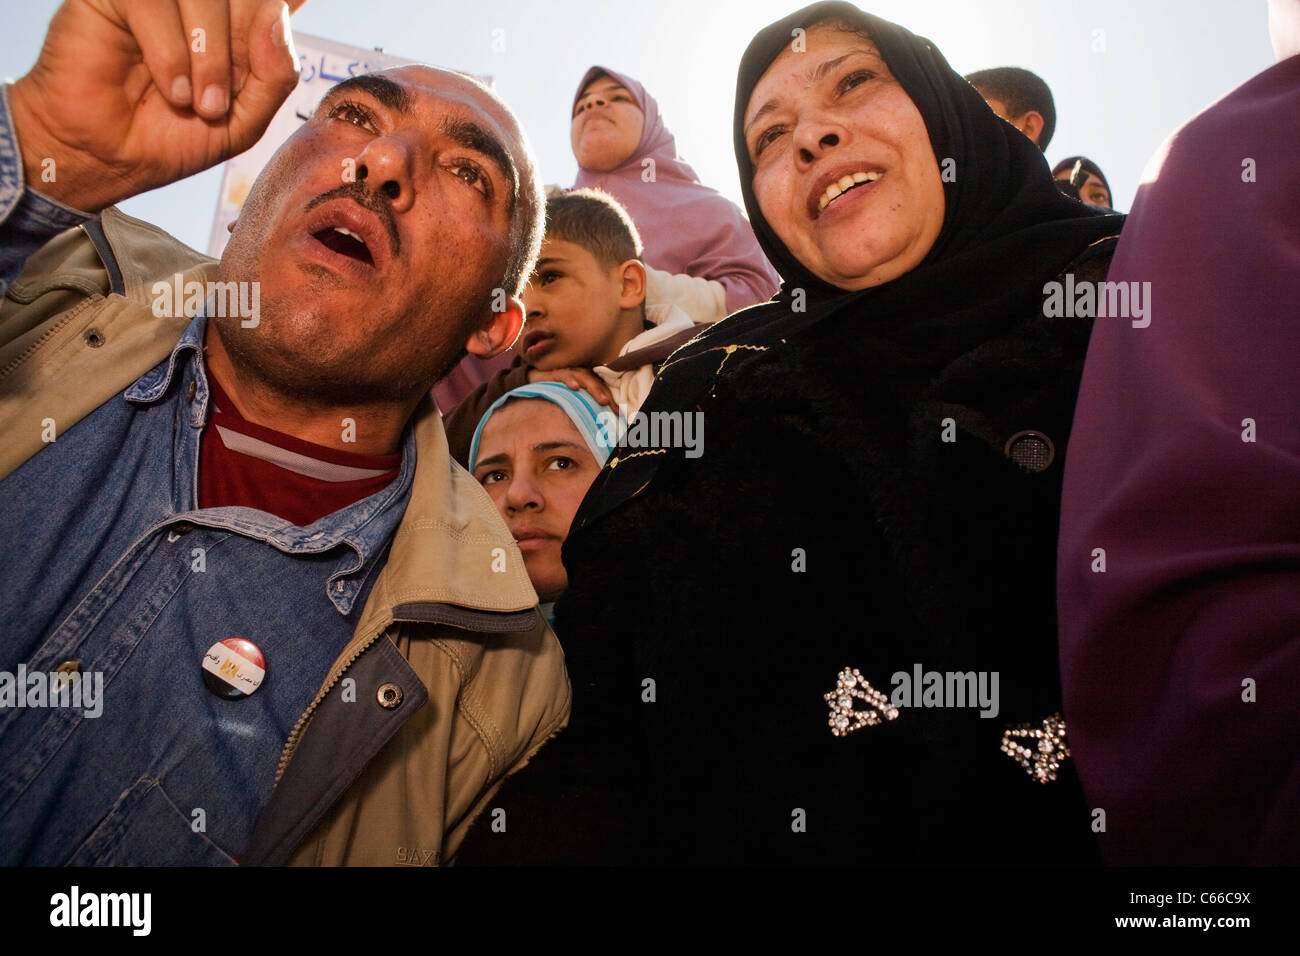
{"x": 389, "y": 696}
{"x": 67, "y": 673}
{"x": 1031, "y": 450}
{"x": 93, "y": 337}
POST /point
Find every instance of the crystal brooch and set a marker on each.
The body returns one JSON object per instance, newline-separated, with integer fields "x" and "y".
{"x": 1040, "y": 750}
{"x": 844, "y": 717}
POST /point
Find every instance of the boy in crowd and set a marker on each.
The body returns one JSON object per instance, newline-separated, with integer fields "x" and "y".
{"x": 587, "y": 323}
{"x": 1021, "y": 98}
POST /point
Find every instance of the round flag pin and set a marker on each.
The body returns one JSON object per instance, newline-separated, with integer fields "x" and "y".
{"x": 233, "y": 668}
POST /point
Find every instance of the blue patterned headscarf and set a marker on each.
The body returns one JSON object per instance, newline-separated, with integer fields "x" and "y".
{"x": 598, "y": 426}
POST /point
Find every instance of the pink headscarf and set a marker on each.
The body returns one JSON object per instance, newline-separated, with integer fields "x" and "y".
{"x": 686, "y": 226}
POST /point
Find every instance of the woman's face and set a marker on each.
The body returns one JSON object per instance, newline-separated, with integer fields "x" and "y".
{"x": 843, "y": 168}
{"x": 607, "y": 125}
{"x": 536, "y": 468}
{"x": 1091, "y": 191}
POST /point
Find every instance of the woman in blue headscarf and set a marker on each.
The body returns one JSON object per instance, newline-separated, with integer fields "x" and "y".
{"x": 536, "y": 451}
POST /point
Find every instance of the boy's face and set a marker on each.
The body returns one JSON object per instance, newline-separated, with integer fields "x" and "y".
{"x": 572, "y": 308}
{"x": 1030, "y": 122}
{"x": 997, "y": 106}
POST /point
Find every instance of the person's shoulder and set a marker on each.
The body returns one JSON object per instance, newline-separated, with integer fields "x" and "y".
{"x": 722, "y": 212}
{"x": 715, "y": 351}
{"x": 142, "y": 246}
{"x": 1093, "y": 262}
{"x": 743, "y": 372}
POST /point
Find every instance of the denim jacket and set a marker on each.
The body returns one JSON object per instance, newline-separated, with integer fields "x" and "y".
{"x": 400, "y": 726}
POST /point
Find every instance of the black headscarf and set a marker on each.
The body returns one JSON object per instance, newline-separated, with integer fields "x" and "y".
{"x": 951, "y": 544}
{"x": 1007, "y": 229}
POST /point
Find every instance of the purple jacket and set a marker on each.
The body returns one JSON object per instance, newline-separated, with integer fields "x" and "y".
{"x": 1181, "y": 659}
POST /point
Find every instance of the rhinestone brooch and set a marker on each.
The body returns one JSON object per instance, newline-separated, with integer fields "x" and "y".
{"x": 845, "y": 718}
{"x": 1043, "y": 749}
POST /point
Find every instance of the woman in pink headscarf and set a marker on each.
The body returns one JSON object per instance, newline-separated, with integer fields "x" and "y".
{"x": 623, "y": 147}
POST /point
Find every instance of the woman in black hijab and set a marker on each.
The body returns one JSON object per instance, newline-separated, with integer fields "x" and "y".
{"x": 873, "y": 519}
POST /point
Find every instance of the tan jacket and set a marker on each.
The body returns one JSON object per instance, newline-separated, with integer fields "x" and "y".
{"x": 387, "y": 778}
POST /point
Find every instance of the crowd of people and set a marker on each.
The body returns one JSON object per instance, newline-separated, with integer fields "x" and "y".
{"x": 953, "y": 575}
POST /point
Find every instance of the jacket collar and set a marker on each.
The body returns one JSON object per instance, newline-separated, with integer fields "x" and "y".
{"x": 451, "y": 546}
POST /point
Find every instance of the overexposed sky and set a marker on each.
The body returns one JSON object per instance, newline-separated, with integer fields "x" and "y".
{"x": 1158, "y": 62}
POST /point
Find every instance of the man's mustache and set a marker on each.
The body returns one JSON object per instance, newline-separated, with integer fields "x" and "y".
{"x": 365, "y": 197}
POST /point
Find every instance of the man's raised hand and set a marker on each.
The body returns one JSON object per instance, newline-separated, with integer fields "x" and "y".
{"x": 129, "y": 95}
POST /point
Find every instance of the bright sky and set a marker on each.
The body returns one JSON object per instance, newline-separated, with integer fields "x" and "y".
{"x": 1118, "y": 92}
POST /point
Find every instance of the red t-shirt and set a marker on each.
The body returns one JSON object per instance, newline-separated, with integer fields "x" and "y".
{"x": 241, "y": 463}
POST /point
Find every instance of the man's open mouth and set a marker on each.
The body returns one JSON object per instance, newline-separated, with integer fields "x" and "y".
{"x": 345, "y": 243}
{"x": 359, "y": 242}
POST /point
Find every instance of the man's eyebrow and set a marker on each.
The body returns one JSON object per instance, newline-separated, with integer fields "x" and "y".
{"x": 390, "y": 94}
{"x": 472, "y": 136}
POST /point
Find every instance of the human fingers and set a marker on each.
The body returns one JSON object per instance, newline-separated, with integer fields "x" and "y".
{"x": 580, "y": 378}
{"x": 242, "y": 13}
{"x": 272, "y": 72}
{"x": 206, "y": 24}
{"x": 156, "y": 28}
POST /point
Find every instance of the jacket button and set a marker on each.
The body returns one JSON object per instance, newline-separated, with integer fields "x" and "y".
{"x": 68, "y": 667}
{"x": 93, "y": 338}
{"x": 190, "y": 392}
{"x": 1031, "y": 450}
{"x": 389, "y": 696}
{"x": 178, "y": 529}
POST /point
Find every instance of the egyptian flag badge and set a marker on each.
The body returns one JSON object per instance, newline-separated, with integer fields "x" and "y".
{"x": 233, "y": 668}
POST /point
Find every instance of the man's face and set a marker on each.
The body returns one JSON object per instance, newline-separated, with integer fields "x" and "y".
{"x": 1092, "y": 191}
{"x": 536, "y": 468}
{"x": 843, "y": 167}
{"x": 606, "y": 127}
{"x": 572, "y": 307}
{"x": 378, "y": 232}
